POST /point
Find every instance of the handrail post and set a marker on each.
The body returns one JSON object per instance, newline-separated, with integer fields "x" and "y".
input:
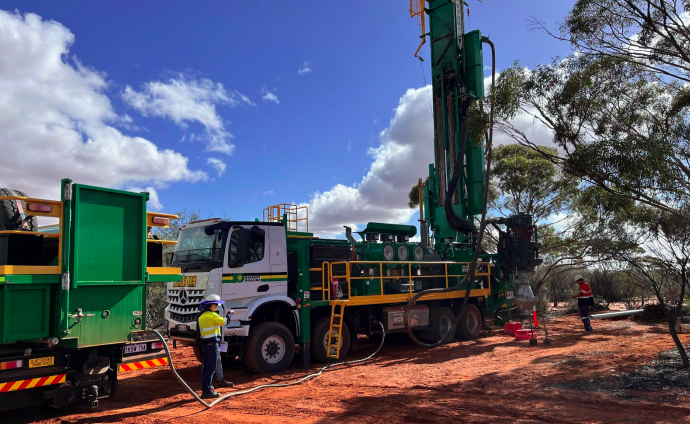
{"x": 330, "y": 278}
{"x": 409, "y": 271}
{"x": 381, "y": 279}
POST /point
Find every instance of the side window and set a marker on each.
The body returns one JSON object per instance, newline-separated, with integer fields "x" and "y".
{"x": 256, "y": 246}
{"x": 256, "y": 252}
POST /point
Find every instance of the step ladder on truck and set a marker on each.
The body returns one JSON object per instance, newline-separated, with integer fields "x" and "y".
{"x": 73, "y": 294}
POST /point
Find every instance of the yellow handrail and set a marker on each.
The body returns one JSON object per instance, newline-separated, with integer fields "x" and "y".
{"x": 55, "y": 212}
{"x": 295, "y": 215}
{"x": 417, "y": 9}
{"x": 479, "y": 273}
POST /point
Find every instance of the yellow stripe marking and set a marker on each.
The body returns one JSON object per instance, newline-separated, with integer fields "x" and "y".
{"x": 33, "y": 383}
{"x": 16, "y": 385}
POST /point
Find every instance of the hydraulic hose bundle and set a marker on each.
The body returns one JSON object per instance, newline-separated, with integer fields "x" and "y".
{"x": 460, "y": 224}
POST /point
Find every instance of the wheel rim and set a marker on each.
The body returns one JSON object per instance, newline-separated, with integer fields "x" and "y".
{"x": 472, "y": 323}
{"x": 325, "y": 341}
{"x": 273, "y": 349}
{"x": 444, "y": 325}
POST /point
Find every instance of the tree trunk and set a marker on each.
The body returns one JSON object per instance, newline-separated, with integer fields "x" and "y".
{"x": 674, "y": 318}
{"x": 555, "y": 297}
{"x": 676, "y": 340}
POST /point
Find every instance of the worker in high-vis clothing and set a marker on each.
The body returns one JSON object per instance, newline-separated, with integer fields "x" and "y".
{"x": 585, "y": 300}
{"x": 209, "y": 324}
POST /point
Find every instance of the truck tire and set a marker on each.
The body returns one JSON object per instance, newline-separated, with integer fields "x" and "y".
{"x": 269, "y": 348}
{"x": 442, "y": 320}
{"x": 319, "y": 340}
{"x": 470, "y": 325}
{"x": 9, "y": 213}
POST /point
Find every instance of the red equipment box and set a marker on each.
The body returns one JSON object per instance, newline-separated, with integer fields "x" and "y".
{"x": 525, "y": 334}
{"x": 511, "y": 327}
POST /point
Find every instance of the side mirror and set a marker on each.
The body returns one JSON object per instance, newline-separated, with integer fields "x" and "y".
{"x": 242, "y": 239}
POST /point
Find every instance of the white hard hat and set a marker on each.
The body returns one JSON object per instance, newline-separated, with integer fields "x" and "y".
{"x": 578, "y": 278}
{"x": 213, "y": 298}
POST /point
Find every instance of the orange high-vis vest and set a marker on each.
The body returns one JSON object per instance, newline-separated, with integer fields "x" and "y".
{"x": 585, "y": 290}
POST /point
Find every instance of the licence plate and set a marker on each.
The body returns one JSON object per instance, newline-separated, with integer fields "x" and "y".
{"x": 187, "y": 281}
{"x": 182, "y": 327}
{"x": 41, "y": 362}
{"x": 141, "y": 347}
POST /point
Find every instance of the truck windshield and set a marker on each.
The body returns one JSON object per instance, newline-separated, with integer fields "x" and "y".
{"x": 194, "y": 245}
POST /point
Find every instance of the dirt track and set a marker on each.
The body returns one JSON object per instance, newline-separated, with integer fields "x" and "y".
{"x": 491, "y": 379}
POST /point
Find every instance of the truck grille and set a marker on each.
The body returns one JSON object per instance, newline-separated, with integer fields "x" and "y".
{"x": 183, "y": 304}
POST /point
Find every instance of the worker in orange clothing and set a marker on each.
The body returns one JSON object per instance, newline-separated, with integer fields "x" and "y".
{"x": 585, "y": 300}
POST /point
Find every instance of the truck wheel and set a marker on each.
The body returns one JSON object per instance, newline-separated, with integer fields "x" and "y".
{"x": 9, "y": 213}
{"x": 269, "y": 348}
{"x": 442, "y": 320}
{"x": 319, "y": 341}
{"x": 470, "y": 325}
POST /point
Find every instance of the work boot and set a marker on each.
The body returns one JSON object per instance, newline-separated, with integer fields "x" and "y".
{"x": 210, "y": 395}
{"x": 225, "y": 383}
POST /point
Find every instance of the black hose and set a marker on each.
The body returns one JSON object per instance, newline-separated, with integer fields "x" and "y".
{"x": 454, "y": 221}
{"x": 482, "y": 226}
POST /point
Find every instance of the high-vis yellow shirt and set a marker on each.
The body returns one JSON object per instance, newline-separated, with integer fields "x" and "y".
{"x": 209, "y": 324}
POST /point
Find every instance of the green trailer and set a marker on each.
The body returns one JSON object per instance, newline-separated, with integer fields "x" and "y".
{"x": 73, "y": 295}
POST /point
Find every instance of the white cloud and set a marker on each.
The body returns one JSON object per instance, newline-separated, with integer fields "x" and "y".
{"x": 217, "y": 164}
{"x": 184, "y": 99}
{"x": 305, "y": 68}
{"x": 349, "y": 146}
{"x": 524, "y": 121}
{"x": 154, "y": 202}
{"x": 268, "y": 193}
{"x": 56, "y": 121}
{"x": 269, "y": 96}
{"x": 404, "y": 156}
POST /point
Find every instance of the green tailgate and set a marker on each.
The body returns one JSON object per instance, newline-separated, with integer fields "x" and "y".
{"x": 107, "y": 264}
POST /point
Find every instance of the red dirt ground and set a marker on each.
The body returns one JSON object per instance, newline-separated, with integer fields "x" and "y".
{"x": 490, "y": 379}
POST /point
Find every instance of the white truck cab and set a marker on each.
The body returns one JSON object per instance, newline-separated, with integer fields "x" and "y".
{"x": 245, "y": 263}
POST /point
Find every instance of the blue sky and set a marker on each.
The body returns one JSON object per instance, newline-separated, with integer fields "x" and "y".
{"x": 360, "y": 57}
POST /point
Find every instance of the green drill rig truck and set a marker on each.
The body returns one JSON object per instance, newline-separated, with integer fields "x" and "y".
{"x": 73, "y": 295}
{"x": 288, "y": 287}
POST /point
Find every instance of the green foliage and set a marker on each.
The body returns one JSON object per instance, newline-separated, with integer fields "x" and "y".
{"x": 413, "y": 196}
{"x": 651, "y": 33}
{"x": 529, "y": 182}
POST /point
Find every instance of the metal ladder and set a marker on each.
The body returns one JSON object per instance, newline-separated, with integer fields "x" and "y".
{"x": 334, "y": 341}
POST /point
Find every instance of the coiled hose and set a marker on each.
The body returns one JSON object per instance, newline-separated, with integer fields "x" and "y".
{"x": 263, "y": 386}
{"x": 482, "y": 226}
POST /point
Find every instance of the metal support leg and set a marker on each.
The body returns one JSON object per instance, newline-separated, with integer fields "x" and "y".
{"x": 305, "y": 356}
{"x": 532, "y": 339}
